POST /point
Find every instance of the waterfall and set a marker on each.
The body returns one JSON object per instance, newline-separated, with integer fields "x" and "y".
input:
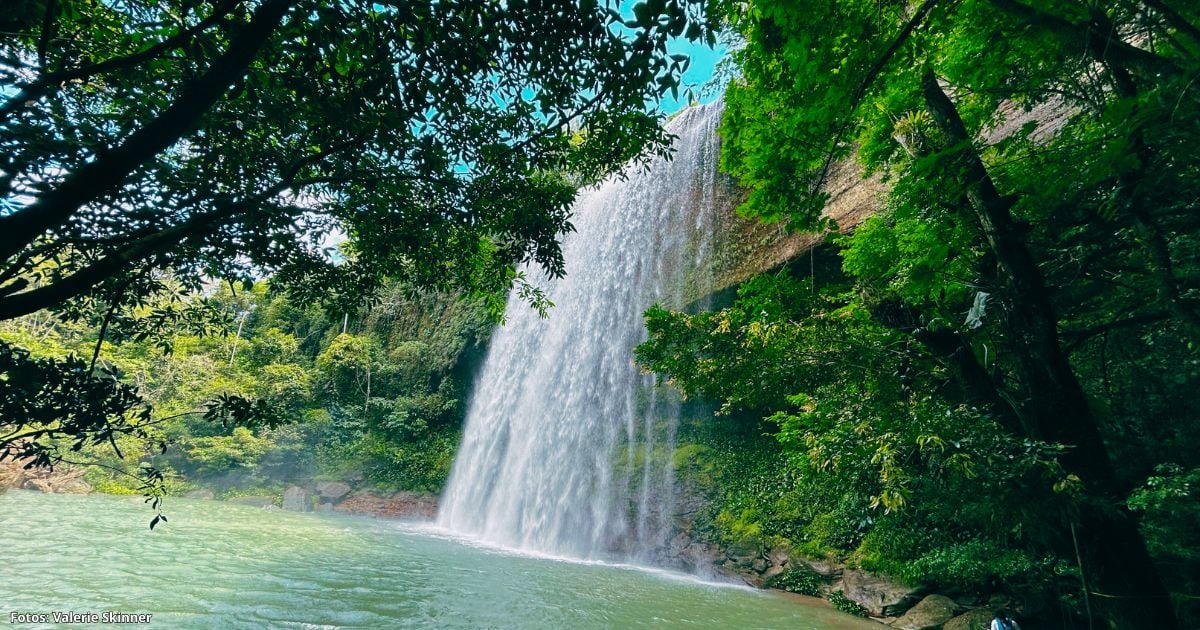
{"x": 567, "y": 445}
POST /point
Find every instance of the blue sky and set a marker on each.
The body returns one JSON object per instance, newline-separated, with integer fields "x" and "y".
{"x": 704, "y": 61}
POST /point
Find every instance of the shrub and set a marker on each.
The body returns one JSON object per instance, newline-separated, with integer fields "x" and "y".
{"x": 797, "y": 581}
{"x": 846, "y": 605}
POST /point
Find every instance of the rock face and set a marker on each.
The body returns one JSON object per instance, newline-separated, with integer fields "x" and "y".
{"x": 971, "y": 620}
{"x": 332, "y": 490}
{"x": 929, "y": 614}
{"x": 62, "y": 480}
{"x": 295, "y": 499}
{"x": 406, "y": 505}
{"x": 880, "y": 596}
{"x": 12, "y": 475}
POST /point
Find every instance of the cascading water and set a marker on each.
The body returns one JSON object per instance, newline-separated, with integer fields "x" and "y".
{"x": 567, "y": 446}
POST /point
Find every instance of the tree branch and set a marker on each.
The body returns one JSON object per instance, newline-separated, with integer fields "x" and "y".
{"x": 106, "y": 173}
{"x": 49, "y": 81}
{"x": 1100, "y": 45}
{"x": 861, "y": 91}
{"x": 18, "y": 304}
{"x": 47, "y": 32}
{"x": 1174, "y": 18}
{"x": 1077, "y": 337}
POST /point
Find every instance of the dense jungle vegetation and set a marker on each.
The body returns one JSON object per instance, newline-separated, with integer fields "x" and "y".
{"x": 150, "y": 148}
{"x": 1001, "y": 386}
{"x": 993, "y": 388}
{"x": 378, "y": 398}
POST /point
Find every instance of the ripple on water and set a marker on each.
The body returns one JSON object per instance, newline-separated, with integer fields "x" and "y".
{"x": 219, "y": 565}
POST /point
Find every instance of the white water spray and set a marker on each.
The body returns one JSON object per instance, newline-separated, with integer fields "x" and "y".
{"x": 567, "y": 446}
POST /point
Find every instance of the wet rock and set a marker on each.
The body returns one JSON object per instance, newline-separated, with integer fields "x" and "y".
{"x": 698, "y": 557}
{"x": 978, "y": 619}
{"x": 758, "y": 565}
{"x": 679, "y": 543}
{"x": 405, "y": 505}
{"x": 745, "y": 566}
{"x": 254, "y": 501}
{"x": 203, "y": 494}
{"x": 333, "y": 490}
{"x": 737, "y": 572}
{"x": 882, "y": 597}
{"x": 929, "y": 614}
{"x": 295, "y": 499}
{"x": 1000, "y": 600}
{"x": 970, "y": 600}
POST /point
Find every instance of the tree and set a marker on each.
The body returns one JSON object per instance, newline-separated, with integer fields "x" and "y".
{"x": 877, "y": 457}
{"x": 1039, "y": 234}
{"x": 227, "y": 138}
{"x": 148, "y": 147}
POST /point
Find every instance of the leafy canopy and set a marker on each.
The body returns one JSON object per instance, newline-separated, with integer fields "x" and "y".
{"x": 148, "y": 147}
{"x": 231, "y": 138}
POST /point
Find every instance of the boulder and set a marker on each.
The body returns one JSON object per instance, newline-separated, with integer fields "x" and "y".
{"x": 881, "y": 596}
{"x": 743, "y": 563}
{"x": 203, "y": 494}
{"x": 978, "y": 619}
{"x": 254, "y": 501}
{"x": 772, "y": 571}
{"x": 295, "y": 499}
{"x": 12, "y": 473}
{"x": 829, "y": 569}
{"x": 59, "y": 485}
{"x": 929, "y": 614}
{"x": 333, "y": 490}
{"x": 778, "y": 556}
{"x": 729, "y": 570}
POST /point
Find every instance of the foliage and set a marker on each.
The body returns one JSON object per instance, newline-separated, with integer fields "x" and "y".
{"x": 239, "y": 449}
{"x": 1028, "y": 287}
{"x": 797, "y": 581}
{"x": 862, "y": 465}
{"x": 228, "y": 138}
{"x": 846, "y": 605}
{"x": 1167, "y": 503}
{"x": 149, "y": 148}
{"x": 307, "y": 380}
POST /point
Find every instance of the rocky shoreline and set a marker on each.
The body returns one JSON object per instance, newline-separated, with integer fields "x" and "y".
{"x": 883, "y": 599}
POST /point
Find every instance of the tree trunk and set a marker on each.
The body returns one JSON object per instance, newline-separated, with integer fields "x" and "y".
{"x": 1120, "y": 566}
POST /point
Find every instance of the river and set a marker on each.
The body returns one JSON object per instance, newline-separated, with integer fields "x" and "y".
{"x": 219, "y": 565}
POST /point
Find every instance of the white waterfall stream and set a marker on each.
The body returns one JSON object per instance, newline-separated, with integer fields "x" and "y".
{"x": 567, "y": 446}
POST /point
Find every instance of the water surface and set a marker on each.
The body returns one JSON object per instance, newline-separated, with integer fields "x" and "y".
{"x": 217, "y": 565}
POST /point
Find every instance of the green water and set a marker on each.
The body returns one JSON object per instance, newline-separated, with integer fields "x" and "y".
{"x": 216, "y": 565}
